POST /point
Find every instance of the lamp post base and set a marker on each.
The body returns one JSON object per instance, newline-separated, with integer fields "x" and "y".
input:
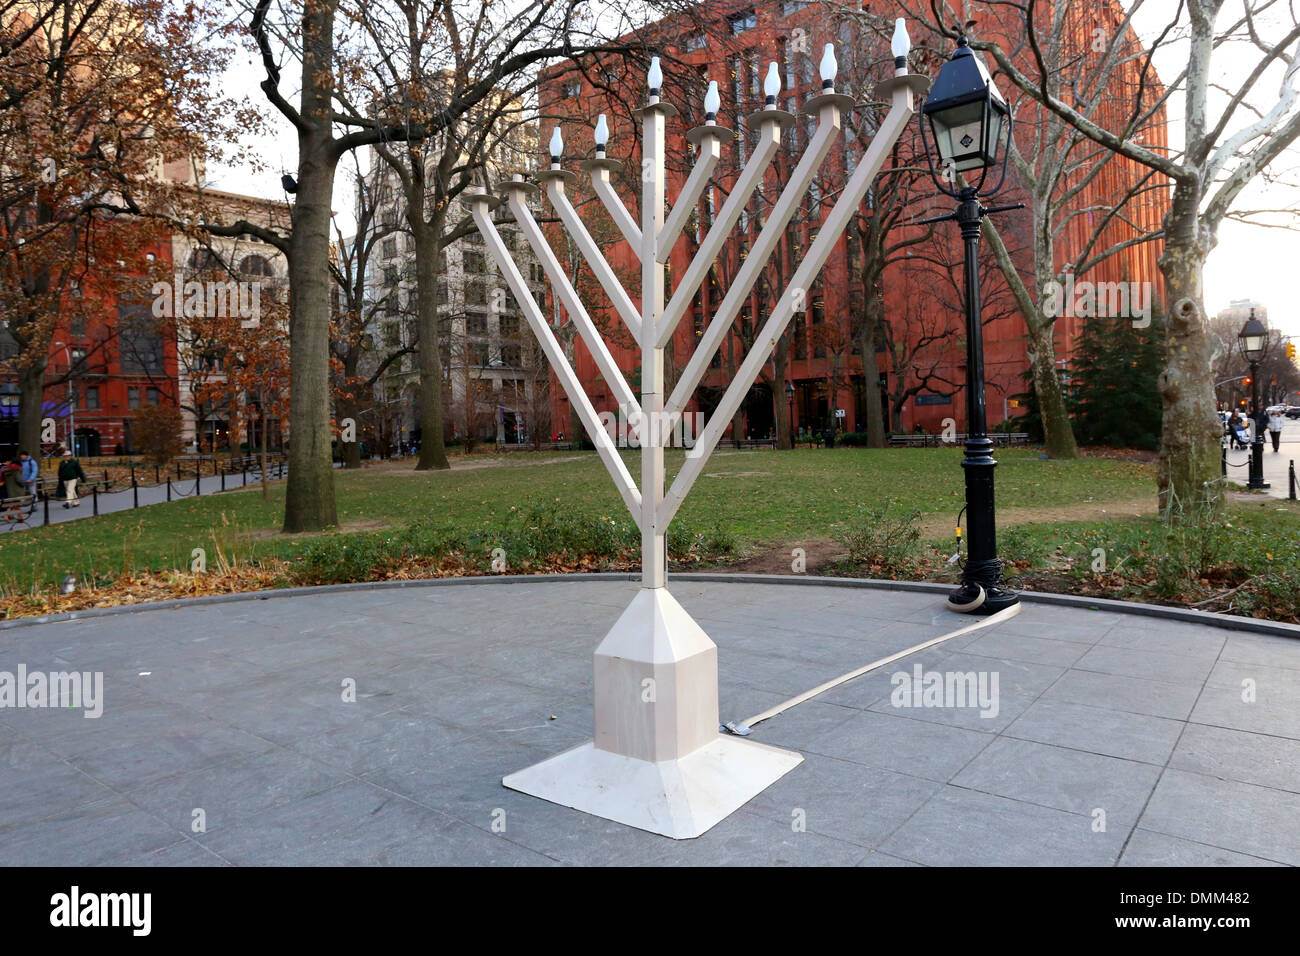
{"x": 657, "y": 762}
{"x": 973, "y": 598}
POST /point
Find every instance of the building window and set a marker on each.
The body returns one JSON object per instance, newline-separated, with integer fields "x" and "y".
{"x": 476, "y": 324}
{"x": 140, "y": 346}
{"x": 572, "y": 89}
{"x": 92, "y": 397}
{"x": 512, "y": 356}
{"x": 695, "y": 42}
{"x": 392, "y": 335}
{"x": 151, "y": 396}
{"x": 133, "y": 396}
{"x": 474, "y": 262}
{"x": 743, "y": 21}
{"x": 475, "y": 293}
{"x": 478, "y": 354}
{"x": 509, "y": 325}
{"x": 792, "y": 6}
{"x": 390, "y": 249}
{"x": 256, "y": 266}
{"x": 77, "y": 326}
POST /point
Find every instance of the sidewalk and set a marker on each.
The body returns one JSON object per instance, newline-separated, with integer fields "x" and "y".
{"x": 1117, "y": 739}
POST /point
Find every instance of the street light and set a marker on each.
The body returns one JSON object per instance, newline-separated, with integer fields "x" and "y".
{"x": 1252, "y": 341}
{"x": 969, "y": 121}
{"x": 789, "y": 404}
{"x": 72, "y": 403}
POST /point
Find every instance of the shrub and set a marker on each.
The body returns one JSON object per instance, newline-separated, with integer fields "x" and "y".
{"x": 881, "y": 539}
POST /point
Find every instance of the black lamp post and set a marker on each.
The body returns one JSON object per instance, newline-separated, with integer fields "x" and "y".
{"x": 789, "y": 404}
{"x": 1252, "y": 341}
{"x": 969, "y": 124}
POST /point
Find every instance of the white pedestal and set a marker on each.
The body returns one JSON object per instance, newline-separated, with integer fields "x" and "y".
{"x": 658, "y": 762}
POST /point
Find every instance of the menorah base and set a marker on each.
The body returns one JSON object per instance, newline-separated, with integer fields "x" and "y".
{"x": 680, "y": 798}
{"x": 657, "y": 762}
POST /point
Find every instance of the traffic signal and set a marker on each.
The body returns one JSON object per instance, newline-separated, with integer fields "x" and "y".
{"x": 1246, "y": 380}
{"x": 1290, "y": 350}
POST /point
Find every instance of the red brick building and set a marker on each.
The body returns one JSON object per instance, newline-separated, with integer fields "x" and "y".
{"x": 920, "y": 367}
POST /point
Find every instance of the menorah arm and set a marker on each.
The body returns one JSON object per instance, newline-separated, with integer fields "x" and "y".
{"x": 617, "y": 211}
{"x": 750, "y": 178}
{"x": 569, "y": 297}
{"x": 710, "y": 153}
{"x": 478, "y": 204}
{"x": 766, "y": 243}
{"x": 764, "y": 344}
{"x": 591, "y": 252}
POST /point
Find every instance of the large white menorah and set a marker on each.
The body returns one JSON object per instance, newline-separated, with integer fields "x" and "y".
{"x": 658, "y": 760}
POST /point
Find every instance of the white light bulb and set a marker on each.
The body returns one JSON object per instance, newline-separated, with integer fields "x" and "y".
{"x": 655, "y": 78}
{"x": 828, "y": 66}
{"x": 602, "y": 131}
{"x": 772, "y": 85}
{"x": 557, "y": 144}
{"x": 901, "y": 44}
{"x": 712, "y": 101}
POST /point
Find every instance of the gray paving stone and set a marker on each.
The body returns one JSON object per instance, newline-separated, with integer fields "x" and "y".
{"x": 1146, "y": 848}
{"x": 230, "y": 792}
{"x": 1061, "y": 779}
{"x": 915, "y": 747}
{"x": 1034, "y": 650}
{"x": 1148, "y": 665}
{"x": 1263, "y": 649}
{"x": 1237, "y": 755}
{"x": 965, "y": 828}
{"x": 96, "y": 834}
{"x": 1098, "y": 730}
{"x": 1241, "y": 817}
{"x": 1273, "y": 711}
{"x": 1129, "y": 694}
{"x": 826, "y": 795}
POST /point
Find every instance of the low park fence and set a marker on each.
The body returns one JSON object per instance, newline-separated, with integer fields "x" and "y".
{"x": 181, "y": 478}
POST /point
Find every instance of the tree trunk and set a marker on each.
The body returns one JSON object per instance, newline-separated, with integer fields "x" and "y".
{"x": 871, "y": 372}
{"x": 31, "y": 405}
{"x": 433, "y": 452}
{"x": 1058, "y": 433}
{"x": 780, "y": 404}
{"x": 309, "y": 496}
{"x": 1189, "y": 446}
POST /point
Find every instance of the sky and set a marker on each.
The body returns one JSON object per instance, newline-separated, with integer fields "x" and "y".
{"x": 1249, "y": 262}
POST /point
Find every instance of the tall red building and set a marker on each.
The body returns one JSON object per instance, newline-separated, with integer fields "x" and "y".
{"x": 919, "y": 363}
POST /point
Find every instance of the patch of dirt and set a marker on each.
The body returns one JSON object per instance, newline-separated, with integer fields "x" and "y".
{"x": 1122, "y": 454}
{"x": 938, "y": 526}
{"x": 406, "y": 466}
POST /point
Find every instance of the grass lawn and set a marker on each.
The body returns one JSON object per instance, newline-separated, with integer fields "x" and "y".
{"x": 760, "y": 497}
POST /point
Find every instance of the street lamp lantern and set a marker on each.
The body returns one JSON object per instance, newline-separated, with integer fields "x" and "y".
{"x": 966, "y": 113}
{"x": 1252, "y": 340}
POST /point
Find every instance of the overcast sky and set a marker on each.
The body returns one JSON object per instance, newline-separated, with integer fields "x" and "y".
{"x": 1248, "y": 263}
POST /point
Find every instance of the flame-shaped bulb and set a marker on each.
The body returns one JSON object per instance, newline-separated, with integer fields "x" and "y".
{"x": 655, "y": 78}
{"x": 829, "y": 67}
{"x": 900, "y": 44}
{"x": 602, "y": 132}
{"x": 712, "y": 101}
{"x": 772, "y": 85}
{"x": 557, "y": 145}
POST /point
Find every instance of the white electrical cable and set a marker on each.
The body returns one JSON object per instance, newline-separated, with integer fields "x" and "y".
{"x": 744, "y": 727}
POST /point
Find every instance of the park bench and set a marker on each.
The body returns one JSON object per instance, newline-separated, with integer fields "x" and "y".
{"x": 17, "y": 512}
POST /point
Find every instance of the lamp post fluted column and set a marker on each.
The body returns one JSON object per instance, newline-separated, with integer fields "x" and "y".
{"x": 1255, "y": 481}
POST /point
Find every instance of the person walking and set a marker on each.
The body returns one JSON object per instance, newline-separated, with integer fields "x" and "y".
{"x": 70, "y": 474}
{"x": 31, "y": 471}
{"x": 1275, "y": 422}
